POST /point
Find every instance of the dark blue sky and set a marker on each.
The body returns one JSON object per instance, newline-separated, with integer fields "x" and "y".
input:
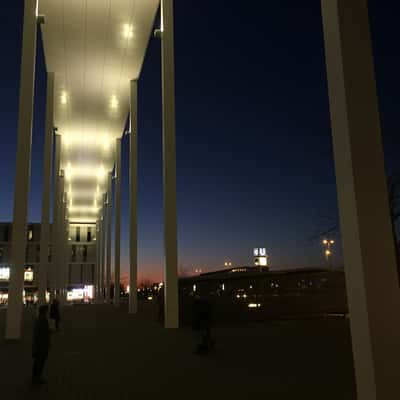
{"x": 254, "y": 153}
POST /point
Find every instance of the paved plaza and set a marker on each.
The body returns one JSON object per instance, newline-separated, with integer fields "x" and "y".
{"x": 103, "y": 353}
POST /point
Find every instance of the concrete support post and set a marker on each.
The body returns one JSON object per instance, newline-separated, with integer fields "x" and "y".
{"x": 370, "y": 265}
{"x": 63, "y": 250}
{"x": 109, "y": 238}
{"x": 100, "y": 266}
{"x": 47, "y": 162}
{"x": 133, "y": 161}
{"x": 117, "y": 252}
{"x": 169, "y": 166}
{"x": 56, "y": 208}
{"x": 103, "y": 249}
{"x": 67, "y": 252}
{"x": 97, "y": 265}
{"x": 60, "y": 242}
{"x": 60, "y": 249}
{"x": 22, "y": 175}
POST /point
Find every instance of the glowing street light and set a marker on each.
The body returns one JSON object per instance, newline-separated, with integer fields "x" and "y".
{"x": 228, "y": 264}
{"x": 328, "y": 243}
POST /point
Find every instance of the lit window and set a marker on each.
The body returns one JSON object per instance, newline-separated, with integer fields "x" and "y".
{"x": 4, "y": 274}
{"x": 28, "y": 275}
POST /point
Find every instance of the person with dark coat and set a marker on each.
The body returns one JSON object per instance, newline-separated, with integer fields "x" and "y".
{"x": 55, "y": 313}
{"x": 40, "y": 344}
{"x": 160, "y": 305}
{"x": 202, "y": 319}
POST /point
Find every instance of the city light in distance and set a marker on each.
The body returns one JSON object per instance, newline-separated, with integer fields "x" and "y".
{"x": 228, "y": 264}
{"x": 254, "y": 305}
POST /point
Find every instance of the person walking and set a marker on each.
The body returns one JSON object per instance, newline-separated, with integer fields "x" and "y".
{"x": 160, "y": 305}
{"x": 55, "y": 313}
{"x": 202, "y": 318}
{"x": 40, "y": 345}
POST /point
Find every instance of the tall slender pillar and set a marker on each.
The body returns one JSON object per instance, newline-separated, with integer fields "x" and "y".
{"x": 117, "y": 252}
{"x": 47, "y": 161}
{"x": 56, "y": 207}
{"x": 100, "y": 266}
{"x": 97, "y": 265}
{"x": 169, "y": 166}
{"x": 109, "y": 228}
{"x": 133, "y": 160}
{"x": 67, "y": 251}
{"x": 104, "y": 246}
{"x": 370, "y": 265}
{"x": 63, "y": 251}
{"x": 59, "y": 259}
{"x": 22, "y": 175}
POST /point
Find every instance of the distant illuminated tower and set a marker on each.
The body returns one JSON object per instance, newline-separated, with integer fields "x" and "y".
{"x": 260, "y": 257}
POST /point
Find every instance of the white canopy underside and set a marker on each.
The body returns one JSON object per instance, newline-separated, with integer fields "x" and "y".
{"x": 95, "y": 48}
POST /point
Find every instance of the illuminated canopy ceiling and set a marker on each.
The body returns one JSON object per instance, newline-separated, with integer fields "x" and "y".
{"x": 95, "y": 48}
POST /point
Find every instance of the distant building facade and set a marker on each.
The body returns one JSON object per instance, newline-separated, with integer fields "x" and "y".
{"x": 81, "y": 257}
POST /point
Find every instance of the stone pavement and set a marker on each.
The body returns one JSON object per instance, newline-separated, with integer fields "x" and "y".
{"x": 104, "y": 353}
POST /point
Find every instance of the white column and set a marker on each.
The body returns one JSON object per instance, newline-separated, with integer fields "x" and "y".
{"x": 56, "y": 207}
{"x": 64, "y": 248}
{"x": 22, "y": 175}
{"x": 97, "y": 266}
{"x": 59, "y": 264}
{"x": 169, "y": 166}
{"x": 370, "y": 266}
{"x": 100, "y": 266}
{"x": 47, "y": 160}
{"x": 109, "y": 238}
{"x": 133, "y": 160}
{"x": 67, "y": 248}
{"x": 103, "y": 249}
{"x": 117, "y": 254}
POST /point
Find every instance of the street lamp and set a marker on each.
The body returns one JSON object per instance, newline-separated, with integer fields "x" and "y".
{"x": 328, "y": 243}
{"x": 228, "y": 264}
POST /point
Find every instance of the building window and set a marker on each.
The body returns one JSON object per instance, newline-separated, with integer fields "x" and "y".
{"x": 38, "y": 253}
{"x": 28, "y": 274}
{"x": 89, "y": 234}
{"x": 78, "y": 233}
{"x": 1, "y": 254}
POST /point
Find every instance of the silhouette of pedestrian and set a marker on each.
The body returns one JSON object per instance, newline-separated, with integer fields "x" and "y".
{"x": 55, "y": 313}
{"x": 40, "y": 345}
{"x": 160, "y": 305}
{"x": 202, "y": 318}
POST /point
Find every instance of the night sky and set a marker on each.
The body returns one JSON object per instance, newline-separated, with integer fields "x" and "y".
{"x": 254, "y": 151}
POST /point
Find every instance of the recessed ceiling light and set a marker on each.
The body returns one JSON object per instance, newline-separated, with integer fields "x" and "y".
{"x": 114, "y": 102}
{"x": 128, "y": 31}
{"x": 64, "y": 98}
